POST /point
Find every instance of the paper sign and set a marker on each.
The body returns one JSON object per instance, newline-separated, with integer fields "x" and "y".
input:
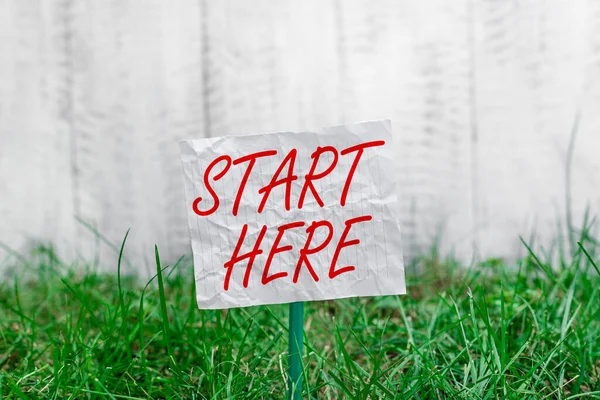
{"x": 286, "y": 217}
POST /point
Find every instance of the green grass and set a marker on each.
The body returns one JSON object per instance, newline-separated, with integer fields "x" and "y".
{"x": 489, "y": 331}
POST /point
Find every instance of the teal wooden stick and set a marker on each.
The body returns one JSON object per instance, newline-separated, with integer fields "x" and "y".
{"x": 295, "y": 350}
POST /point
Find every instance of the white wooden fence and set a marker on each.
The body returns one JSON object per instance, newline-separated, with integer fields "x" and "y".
{"x": 483, "y": 96}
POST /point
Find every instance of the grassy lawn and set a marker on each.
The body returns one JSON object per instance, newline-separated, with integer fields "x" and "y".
{"x": 489, "y": 331}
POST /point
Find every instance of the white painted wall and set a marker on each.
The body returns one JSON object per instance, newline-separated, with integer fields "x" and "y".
{"x": 482, "y": 94}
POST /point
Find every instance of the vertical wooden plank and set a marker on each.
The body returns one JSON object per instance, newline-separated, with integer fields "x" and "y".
{"x": 530, "y": 58}
{"x": 8, "y": 38}
{"x": 99, "y": 128}
{"x": 311, "y": 57}
{"x": 36, "y": 202}
{"x": 585, "y": 169}
{"x": 183, "y": 57}
{"x": 240, "y": 61}
{"x": 268, "y": 69}
{"x": 409, "y": 61}
{"x": 125, "y": 153}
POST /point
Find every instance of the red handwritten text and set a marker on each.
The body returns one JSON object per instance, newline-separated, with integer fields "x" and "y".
{"x": 316, "y": 172}
{"x": 268, "y": 275}
{"x": 318, "y": 235}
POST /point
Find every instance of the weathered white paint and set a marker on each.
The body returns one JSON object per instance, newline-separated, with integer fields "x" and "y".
{"x": 482, "y": 94}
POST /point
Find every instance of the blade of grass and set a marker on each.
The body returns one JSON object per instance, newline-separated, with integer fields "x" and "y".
{"x": 589, "y": 257}
{"x": 163, "y": 311}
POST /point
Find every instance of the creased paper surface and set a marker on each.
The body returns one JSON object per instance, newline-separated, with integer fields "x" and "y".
{"x": 370, "y": 194}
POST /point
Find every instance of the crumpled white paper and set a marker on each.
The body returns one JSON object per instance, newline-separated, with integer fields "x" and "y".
{"x": 379, "y": 268}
